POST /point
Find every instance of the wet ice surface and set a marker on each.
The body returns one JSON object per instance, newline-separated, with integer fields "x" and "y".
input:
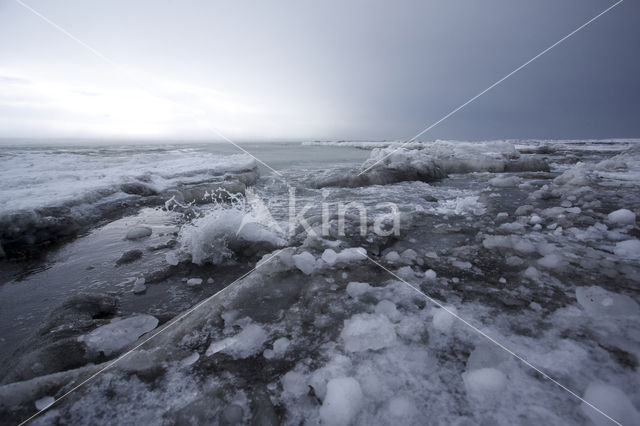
{"x": 546, "y": 263}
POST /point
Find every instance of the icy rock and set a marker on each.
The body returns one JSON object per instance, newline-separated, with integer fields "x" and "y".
{"x": 171, "y": 258}
{"x": 44, "y": 403}
{"x": 629, "y": 249}
{"x": 139, "y": 286}
{"x": 305, "y": 262}
{"x": 484, "y": 380}
{"x": 357, "y": 289}
{"x": 611, "y": 401}
{"x": 138, "y": 232}
{"x": 118, "y": 334}
{"x": 621, "y": 217}
{"x": 210, "y": 280}
{"x": 366, "y": 331}
{"x": 409, "y": 256}
{"x": 329, "y": 256}
{"x": 443, "y": 320}
{"x": 342, "y": 403}
{"x": 129, "y": 256}
{"x": 243, "y": 345}
{"x": 598, "y": 301}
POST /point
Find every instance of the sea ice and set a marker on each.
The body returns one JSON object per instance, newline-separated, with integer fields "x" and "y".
{"x": 342, "y": 402}
{"x": 329, "y": 256}
{"x": 194, "y": 282}
{"x": 357, "y": 289}
{"x": 366, "y": 331}
{"x": 629, "y": 249}
{"x": 138, "y": 232}
{"x": 443, "y": 320}
{"x": 139, "y": 286}
{"x": 484, "y": 380}
{"x": 305, "y": 262}
{"x": 118, "y": 334}
{"x": 611, "y": 401}
{"x": 243, "y": 345}
{"x": 44, "y": 403}
{"x": 622, "y": 217}
{"x": 598, "y": 301}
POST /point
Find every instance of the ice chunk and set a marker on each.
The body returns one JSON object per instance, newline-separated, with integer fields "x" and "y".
{"x": 430, "y": 275}
{"x": 366, "y": 331}
{"x": 484, "y": 380}
{"x": 342, "y": 403}
{"x": 243, "y": 345}
{"x": 295, "y": 383}
{"x": 194, "y": 282}
{"x": 191, "y": 359}
{"x": 621, "y": 217}
{"x": 171, "y": 258}
{"x": 356, "y": 289}
{"x": 609, "y": 400}
{"x": 44, "y": 403}
{"x": 139, "y": 286}
{"x": 329, "y": 256}
{"x": 118, "y": 334}
{"x": 392, "y": 257}
{"x": 629, "y": 249}
{"x": 504, "y": 181}
{"x": 388, "y": 309}
{"x": 352, "y": 254}
{"x": 532, "y": 273}
{"x": 551, "y": 261}
{"x": 280, "y": 346}
{"x": 138, "y": 232}
{"x": 598, "y": 301}
{"x": 443, "y": 320}
{"x": 402, "y": 407}
{"x": 305, "y": 262}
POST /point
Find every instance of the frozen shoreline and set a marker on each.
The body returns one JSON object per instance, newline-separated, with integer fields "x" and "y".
{"x": 545, "y": 262}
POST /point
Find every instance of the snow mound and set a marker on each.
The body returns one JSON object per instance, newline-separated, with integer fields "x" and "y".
{"x": 118, "y": 334}
{"x": 366, "y": 331}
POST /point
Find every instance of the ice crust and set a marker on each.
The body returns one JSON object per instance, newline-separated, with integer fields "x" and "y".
{"x": 118, "y": 334}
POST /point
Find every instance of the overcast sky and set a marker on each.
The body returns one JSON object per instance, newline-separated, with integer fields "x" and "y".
{"x": 318, "y": 70}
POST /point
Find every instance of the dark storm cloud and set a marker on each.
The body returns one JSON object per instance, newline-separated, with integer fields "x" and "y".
{"x": 357, "y": 69}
